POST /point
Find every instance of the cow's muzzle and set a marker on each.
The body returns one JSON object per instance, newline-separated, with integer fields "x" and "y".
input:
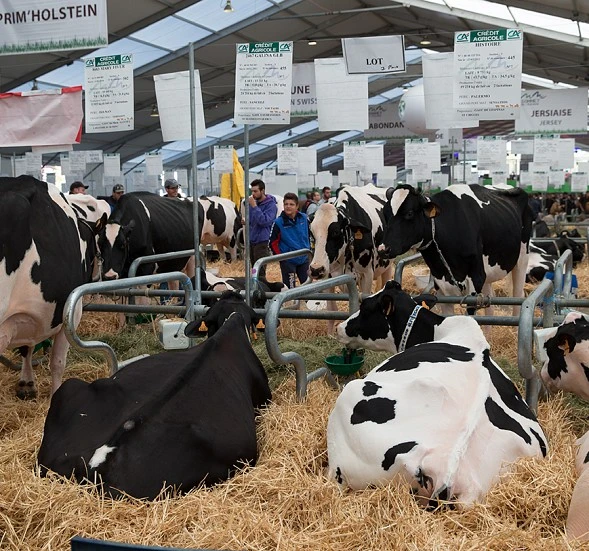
{"x": 384, "y": 252}
{"x": 317, "y": 272}
{"x": 110, "y": 275}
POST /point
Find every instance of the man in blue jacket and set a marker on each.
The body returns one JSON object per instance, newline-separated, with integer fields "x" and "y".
{"x": 262, "y": 214}
{"x": 290, "y": 233}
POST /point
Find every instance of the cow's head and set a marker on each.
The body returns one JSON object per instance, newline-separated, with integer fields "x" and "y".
{"x": 578, "y": 250}
{"x": 382, "y": 319}
{"x": 408, "y": 215}
{"x": 567, "y": 367}
{"x": 113, "y": 242}
{"x": 330, "y": 229}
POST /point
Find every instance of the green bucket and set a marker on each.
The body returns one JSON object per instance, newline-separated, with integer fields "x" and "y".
{"x": 346, "y": 363}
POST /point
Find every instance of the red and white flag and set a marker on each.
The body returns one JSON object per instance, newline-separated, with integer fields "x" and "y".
{"x": 41, "y": 117}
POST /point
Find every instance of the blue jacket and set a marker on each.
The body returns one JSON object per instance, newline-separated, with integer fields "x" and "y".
{"x": 290, "y": 235}
{"x": 261, "y": 219}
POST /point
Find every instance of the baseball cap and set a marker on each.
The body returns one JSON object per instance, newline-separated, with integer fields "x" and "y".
{"x": 171, "y": 182}
{"x": 76, "y": 185}
{"x": 118, "y": 187}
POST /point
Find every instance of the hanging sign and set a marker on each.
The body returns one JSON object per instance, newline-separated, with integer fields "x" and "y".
{"x": 263, "y": 79}
{"x": 108, "y": 85}
{"x": 354, "y": 155}
{"x": 439, "y": 180}
{"x": 306, "y": 161}
{"x": 522, "y": 147}
{"x": 384, "y": 123}
{"x": 303, "y": 99}
{"x": 540, "y": 181}
{"x": 491, "y": 153}
{"x": 288, "y": 157}
{"x": 422, "y": 157}
{"x": 374, "y": 54}
{"x": 487, "y": 72}
{"x": 153, "y": 164}
{"x": 556, "y": 179}
{"x": 52, "y": 25}
{"x": 93, "y": 156}
{"x": 112, "y": 164}
{"x": 77, "y": 161}
{"x": 579, "y": 182}
{"x": 224, "y": 158}
{"x": 558, "y": 111}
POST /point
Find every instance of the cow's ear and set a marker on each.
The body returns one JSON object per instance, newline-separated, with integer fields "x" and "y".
{"x": 343, "y": 220}
{"x": 431, "y": 210}
{"x": 101, "y": 223}
{"x": 129, "y": 227}
{"x": 388, "y": 306}
{"x": 389, "y": 193}
{"x": 566, "y": 342}
{"x": 426, "y": 300}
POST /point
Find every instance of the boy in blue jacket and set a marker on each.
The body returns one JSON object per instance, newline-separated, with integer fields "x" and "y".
{"x": 290, "y": 233}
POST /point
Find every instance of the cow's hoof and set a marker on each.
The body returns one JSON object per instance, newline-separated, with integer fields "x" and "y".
{"x": 25, "y": 390}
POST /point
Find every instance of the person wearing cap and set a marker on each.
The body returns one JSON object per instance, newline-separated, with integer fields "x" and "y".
{"x": 171, "y": 185}
{"x": 77, "y": 187}
{"x": 118, "y": 191}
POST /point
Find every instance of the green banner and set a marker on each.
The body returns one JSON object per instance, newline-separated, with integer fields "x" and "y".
{"x": 489, "y": 35}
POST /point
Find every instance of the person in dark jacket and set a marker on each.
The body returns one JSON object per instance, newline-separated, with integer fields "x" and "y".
{"x": 290, "y": 233}
{"x": 263, "y": 211}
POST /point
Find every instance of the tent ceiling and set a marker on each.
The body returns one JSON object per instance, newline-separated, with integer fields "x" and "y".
{"x": 161, "y": 46}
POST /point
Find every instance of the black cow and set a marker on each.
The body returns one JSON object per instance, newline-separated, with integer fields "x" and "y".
{"x": 469, "y": 236}
{"x": 539, "y": 263}
{"x": 177, "y": 419}
{"x": 46, "y": 251}
{"x": 562, "y": 243}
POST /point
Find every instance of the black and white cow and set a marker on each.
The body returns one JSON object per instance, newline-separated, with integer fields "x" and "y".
{"x": 468, "y": 235}
{"x": 347, "y": 235}
{"x": 441, "y": 415}
{"x": 539, "y": 263}
{"x": 567, "y": 366}
{"x": 562, "y": 243}
{"x": 146, "y": 224}
{"x": 577, "y": 526}
{"x": 89, "y": 208}
{"x": 46, "y": 251}
{"x": 221, "y": 224}
{"x": 177, "y": 419}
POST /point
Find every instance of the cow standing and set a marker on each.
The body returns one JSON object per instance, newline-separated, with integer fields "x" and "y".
{"x": 440, "y": 415}
{"x": 46, "y": 251}
{"x": 468, "y": 235}
{"x": 221, "y": 224}
{"x": 177, "y": 419}
{"x": 347, "y": 235}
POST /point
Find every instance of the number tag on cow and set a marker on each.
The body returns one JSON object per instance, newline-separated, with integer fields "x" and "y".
{"x": 358, "y": 234}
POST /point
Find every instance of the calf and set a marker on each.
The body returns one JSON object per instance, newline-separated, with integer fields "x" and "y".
{"x": 577, "y": 526}
{"x": 440, "y": 415}
{"x": 468, "y": 235}
{"x": 539, "y": 263}
{"x": 562, "y": 243}
{"x": 177, "y": 419}
{"x": 568, "y": 357}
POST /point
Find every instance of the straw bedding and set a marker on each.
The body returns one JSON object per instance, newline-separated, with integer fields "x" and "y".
{"x": 285, "y": 502}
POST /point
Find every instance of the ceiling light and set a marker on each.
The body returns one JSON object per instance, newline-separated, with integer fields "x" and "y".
{"x": 425, "y": 41}
{"x": 290, "y": 132}
{"x": 154, "y": 111}
{"x": 312, "y": 43}
{"x": 228, "y": 7}
{"x": 34, "y": 86}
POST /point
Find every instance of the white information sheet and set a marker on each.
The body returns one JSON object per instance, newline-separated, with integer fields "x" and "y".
{"x": 374, "y": 54}
{"x": 112, "y": 164}
{"x": 172, "y": 91}
{"x": 373, "y": 158}
{"x": 491, "y": 153}
{"x": 307, "y": 161}
{"x": 20, "y": 166}
{"x": 579, "y": 182}
{"x": 269, "y": 176}
{"x": 540, "y": 181}
{"x": 553, "y": 111}
{"x": 387, "y": 176}
{"x": 439, "y": 180}
{"x": 354, "y": 158}
{"x": 182, "y": 177}
{"x": 342, "y": 99}
{"x": 108, "y": 86}
{"x": 77, "y": 161}
{"x": 224, "y": 158}
{"x": 263, "y": 78}
{"x": 556, "y": 179}
{"x": 487, "y": 72}
{"x": 323, "y": 178}
{"x": 384, "y": 123}
{"x": 303, "y": 99}
{"x": 153, "y": 164}
{"x": 522, "y": 147}
{"x": 499, "y": 177}
{"x": 288, "y": 157}
{"x": 34, "y": 162}
{"x": 438, "y": 89}
{"x": 64, "y": 161}
{"x": 94, "y": 156}
{"x": 347, "y": 178}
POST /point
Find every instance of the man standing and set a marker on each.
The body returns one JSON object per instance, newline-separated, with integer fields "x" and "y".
{"x": 263, "y": 211}
{"x": 171, "y": 185}
{"x": 78, "y": 187}
{"x": 117, "y": 192}
{"x": 325, "y": 195}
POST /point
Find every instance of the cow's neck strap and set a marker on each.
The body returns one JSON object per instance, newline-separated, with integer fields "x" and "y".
{"x": 434, "y": 242}
{"x": 409, "y": 327}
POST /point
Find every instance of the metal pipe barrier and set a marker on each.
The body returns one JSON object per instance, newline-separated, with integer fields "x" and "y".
{"x": 302, "y": 378}
{"x": 563, "y": 276}
{"x": 401, "y": 266}
{"x": 75, "y": 296}
{"x": 155, "y": 257}
{"x": 525, "y": 339}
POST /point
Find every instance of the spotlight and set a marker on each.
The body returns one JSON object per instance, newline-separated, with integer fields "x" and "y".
{"x": 228, "y": 7}
{"x": 290, "y": 132}
{"x": 34, "y": 86}
{"x": 312, "y": 43}
{"x": 425, "y": 41}
{"x": 154, "y": 111}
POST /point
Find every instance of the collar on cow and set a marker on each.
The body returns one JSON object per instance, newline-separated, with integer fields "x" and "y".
{"x": 433, "y": 240}
{"x": 409, "y": 327}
